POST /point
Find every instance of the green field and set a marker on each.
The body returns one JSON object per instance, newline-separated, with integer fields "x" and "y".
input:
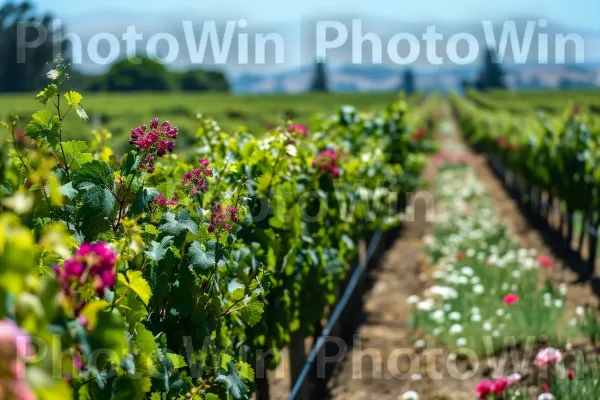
{"x": 120, "y": 112}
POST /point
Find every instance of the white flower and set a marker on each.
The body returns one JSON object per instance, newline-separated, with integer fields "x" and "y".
{"x": 475, "y": 310}
{"x": 425, "y": 305}
{"x": 413, "y": 300}
{"x": 419, "y": 344}
{"x": 563, "y": 289}
{"x": 456, "y": 329}
{"x": 454, "y": 316}
{"x": 436, "y": 331}
{"x": 478, "y": 289}
{"x": 487, "y": 326}
{"x": 416, "y": 377}
{"x": 558, "y": 303}
{"x": 496, "y": 333}
{"x": 546, "y": 396}
{"x": 500, "y": 312}
{"x": 468, "y": 271}
{"x": 580, "y": 311}
{"x": 438, "y": 316}
{"x": 476, "y": 318}
{"x": 461, "y": 341}
{"x": 410, "y": 395}
{"x": 291, "y": 150}
{"x": 516, "y": 274}
{"x": 53, "y": 74}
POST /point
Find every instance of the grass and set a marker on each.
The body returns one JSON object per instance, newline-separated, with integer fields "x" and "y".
{"x": 120, "y": 112}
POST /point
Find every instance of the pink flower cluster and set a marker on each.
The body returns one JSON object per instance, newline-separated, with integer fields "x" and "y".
{"x": 154, "y": 143}
{"x": 548, "y": 356}
{"x": 195, "y": 181}
{"x": 443, "y": 156}
{"x": 496, "y": 386}
{"x": 93, "y": 263}
{"x": 223, "y": 220}
{"x": 162, "y": 201}
{"x": 298, "y": 128}
{"x": 327, "y": 161}
{"x": 14, "y": 349}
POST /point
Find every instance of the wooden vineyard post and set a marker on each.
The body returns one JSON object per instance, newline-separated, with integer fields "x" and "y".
{"x": 297, "y": 361}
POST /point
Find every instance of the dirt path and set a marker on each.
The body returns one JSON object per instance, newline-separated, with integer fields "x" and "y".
{"x": 387, "y": 363}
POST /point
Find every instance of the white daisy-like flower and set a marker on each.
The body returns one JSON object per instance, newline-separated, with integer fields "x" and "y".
{"x": 410, "y": 395}
{"x": 558, "y": 303}
{"x": 454, "y": 316}
{"x": 476, "y": 318}
{"x": 413, "y": 299}
{"x": 425, "y": 305}
{"x": 478, "y": 289}
{"x": 580, "y": 311}
{"x": 416, "y": 377}
{"x": 563, "y": 288}
{"x": 461, "y": 341}
{"x": 291, "y": 150}
{"x": 487, "y": 326}
{"x": 546, "y": 396}
{"x": 420, "y": 344}
{"x": 456, "y": 329}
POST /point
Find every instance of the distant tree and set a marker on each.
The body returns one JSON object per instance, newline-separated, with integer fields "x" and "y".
{"x": 408, "y": 81}
{"x": 137, "y": 75}
{"x": 465, "y": 85}
{"x": 492, "y": 74}
{"x": 319, "y": 83}
{"x": 197, "y": 80}
{"x": 16, "y": 76}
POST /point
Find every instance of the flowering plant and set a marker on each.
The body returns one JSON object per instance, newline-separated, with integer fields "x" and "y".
{"x": 149, "y": 275}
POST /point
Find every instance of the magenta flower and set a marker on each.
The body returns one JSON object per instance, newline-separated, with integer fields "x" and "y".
{"x": 327, "y": 161}
{"x": 484, "y": 388}
{"x": 196, "y": 181}
{"x": 162, "y": 201}
{"x": 298, "y": 128}
{"x": 92, "y": 263}
{"x": 223, "y": 220}
{"x": 154, "y": 143}
{"x": 545, "y": 261}
{"x": 511, "y": 299}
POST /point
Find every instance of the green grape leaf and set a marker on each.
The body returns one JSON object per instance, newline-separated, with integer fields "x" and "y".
{"x": 73, "y": 98}
{"x": 74, "y": 152}
{"x": 44, "y": 125}
{"x": 134, "y": 281}
{"x": 177, "y": 360}
{"x": 233, "y": 383}
{"x": 158, "y": 250}
{"x": 205, "y": 257}
{"x": 45, "y": 95}
{"x": 177, "y": 224}
{"x": 252, "y": 312}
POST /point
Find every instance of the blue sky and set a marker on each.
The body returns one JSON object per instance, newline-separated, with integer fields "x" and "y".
{"x": 577, "y": 14}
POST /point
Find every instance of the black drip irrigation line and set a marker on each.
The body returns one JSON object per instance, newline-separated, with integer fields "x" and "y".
{"x": 358, "y": 271}
{"x": 500, "y": 169}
